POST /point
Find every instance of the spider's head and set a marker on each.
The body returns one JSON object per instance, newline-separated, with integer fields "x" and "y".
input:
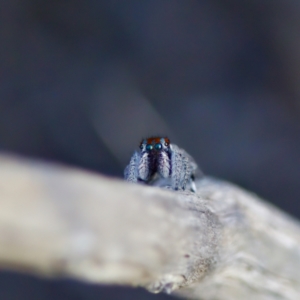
{"x": 155, "y": 144}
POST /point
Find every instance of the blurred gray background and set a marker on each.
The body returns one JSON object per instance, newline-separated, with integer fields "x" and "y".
{"x": 82, "y": 82}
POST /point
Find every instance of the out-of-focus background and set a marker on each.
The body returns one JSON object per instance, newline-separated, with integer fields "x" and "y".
{"x": 81, "y": 82}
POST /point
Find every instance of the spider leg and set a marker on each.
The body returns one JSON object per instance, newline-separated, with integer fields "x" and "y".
{"x": 164, "y": 165}
{"x": 186, "y": 171}
{"x": 183, "y": 169}
{"x": 143, "y": 167}
{"x": 193, "y": 172}
{"x": 131, "y": 171}
{"x": 176, "y": 167}
{"x": 192, "y": 184}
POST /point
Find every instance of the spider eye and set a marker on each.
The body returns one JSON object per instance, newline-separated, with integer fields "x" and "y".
{"x": 158, "y": 146}
{"x": 149, "y": 147}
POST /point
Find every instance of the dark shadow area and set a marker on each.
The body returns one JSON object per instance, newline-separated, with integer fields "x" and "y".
{"x": 29, "y": 287}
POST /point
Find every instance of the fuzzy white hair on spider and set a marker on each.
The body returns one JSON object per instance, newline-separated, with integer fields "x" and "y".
{"x": 160, "y": 163}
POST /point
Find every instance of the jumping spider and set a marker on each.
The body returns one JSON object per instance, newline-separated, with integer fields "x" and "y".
{"x": 158, "y": 162}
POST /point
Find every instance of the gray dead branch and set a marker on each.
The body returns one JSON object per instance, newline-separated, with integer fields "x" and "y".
{"x": 223, "y": 243}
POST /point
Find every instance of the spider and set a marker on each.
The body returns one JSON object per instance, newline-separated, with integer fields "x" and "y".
{"x": 160, "y": 163}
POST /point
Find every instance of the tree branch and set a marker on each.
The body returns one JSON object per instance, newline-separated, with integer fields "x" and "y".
{"x": 221, "y": 243}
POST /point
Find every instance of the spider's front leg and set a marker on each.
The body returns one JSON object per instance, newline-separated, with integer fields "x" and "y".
{"x": 182, "y": 171}
{"x": 138, "y": 168}
{"x": 131, "y": 171}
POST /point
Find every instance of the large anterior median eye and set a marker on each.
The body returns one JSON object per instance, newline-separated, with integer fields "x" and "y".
{"x": 158, "y": 146}
{"x": 149, "y": 147}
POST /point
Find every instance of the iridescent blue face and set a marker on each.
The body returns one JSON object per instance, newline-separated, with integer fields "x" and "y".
{"x": 155, "y": 144}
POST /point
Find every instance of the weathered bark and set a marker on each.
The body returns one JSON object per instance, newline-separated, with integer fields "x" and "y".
{"x": 221, "y": 243}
